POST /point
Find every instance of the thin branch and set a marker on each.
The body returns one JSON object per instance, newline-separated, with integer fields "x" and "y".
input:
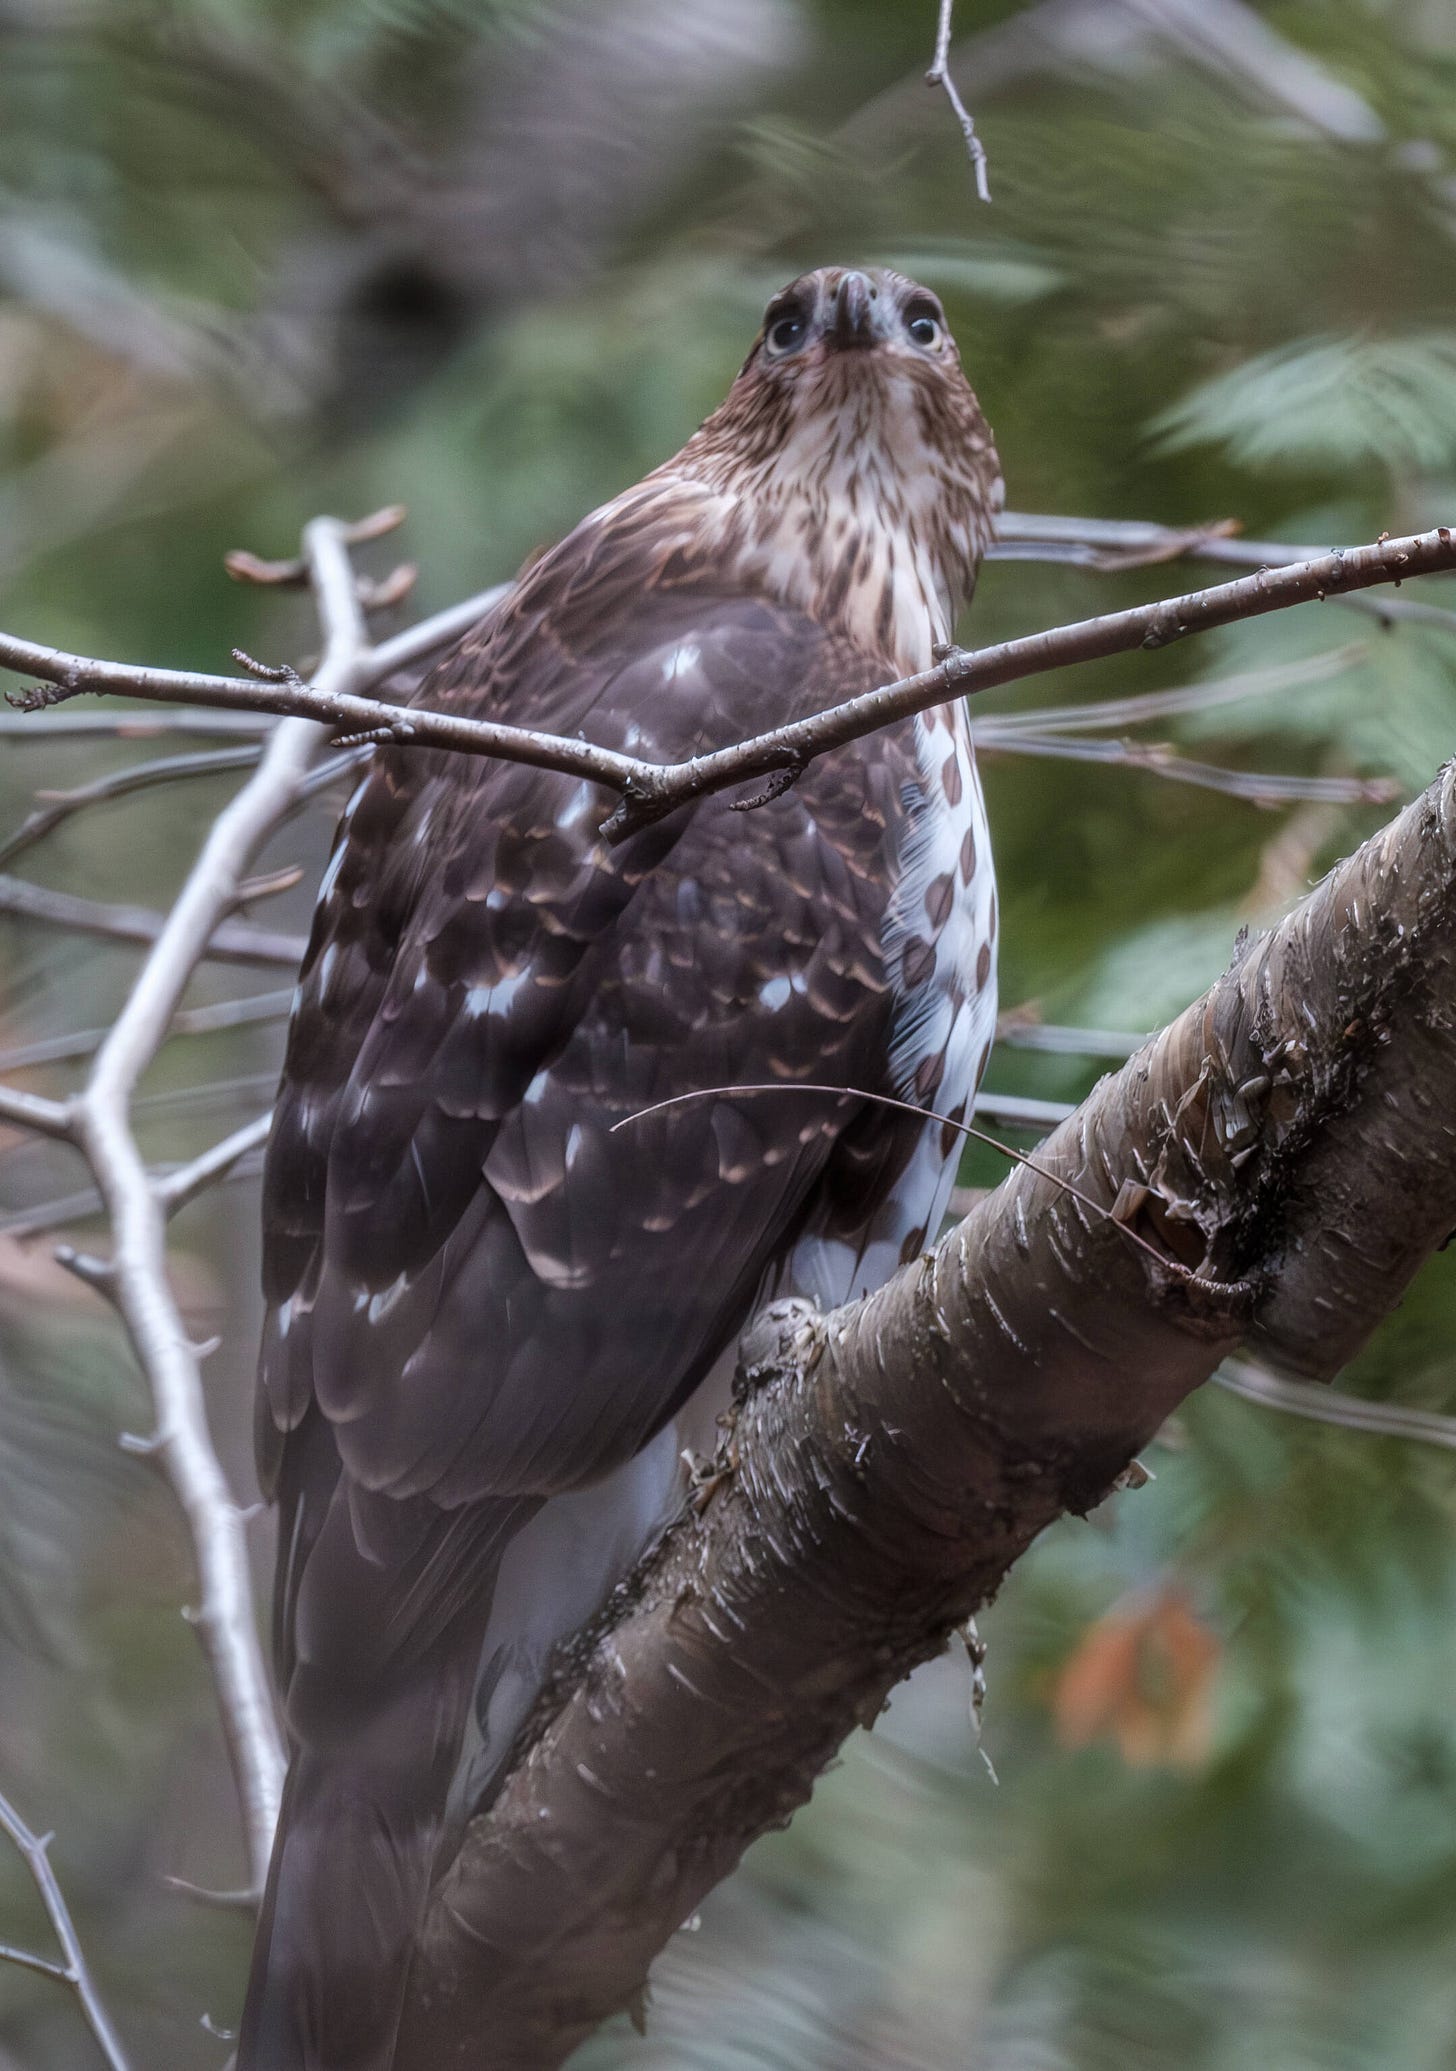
{"x": 42, "y": 1117}
{"x": 133, "y": 726}
{"x": 1331, "y": 1406}
{"x": 185, "y": 1182}
{"x": 1188, "y": 697}
{"x": 1113, "y": 544}
{"x": 1061, "y": 1041}
{"x": 231, "y": 942}
{"x": 649, "y": 791}
{"x": 33, "y": 1850}
{"x": 1019, "y": 1111}
{"x": 939, "y": 75}
{"x": 85, "y": 1042}
{"x": 1255, "y": 787}
{"x": 235, "y": 1163}
{"x": 1109, "y": 545}
{"x": 965, "y": 673}
{"x": 54, "y": 808}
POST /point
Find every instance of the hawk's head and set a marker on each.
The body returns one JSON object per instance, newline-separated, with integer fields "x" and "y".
{"x": 857, "y": 457}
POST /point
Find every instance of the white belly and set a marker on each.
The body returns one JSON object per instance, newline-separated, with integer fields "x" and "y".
{"x": 940, "y": 946}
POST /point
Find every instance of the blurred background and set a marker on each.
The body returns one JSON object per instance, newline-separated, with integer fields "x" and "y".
{"x": 493, "y": 260}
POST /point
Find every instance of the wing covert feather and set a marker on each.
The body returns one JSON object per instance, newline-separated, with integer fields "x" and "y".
{"x": 484, "y": 1291}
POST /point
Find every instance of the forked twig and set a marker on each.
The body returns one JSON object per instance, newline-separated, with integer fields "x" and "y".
{"x": 33, "y": 1850}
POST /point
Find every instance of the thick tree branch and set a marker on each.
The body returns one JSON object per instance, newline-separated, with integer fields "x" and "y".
{"x": 649, "y": 791}
{"x": 1284, "y": 1152}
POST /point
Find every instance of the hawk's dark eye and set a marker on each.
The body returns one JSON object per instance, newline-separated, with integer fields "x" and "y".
{"x": 924, "y": 329}
{"x": 786, "y": 334}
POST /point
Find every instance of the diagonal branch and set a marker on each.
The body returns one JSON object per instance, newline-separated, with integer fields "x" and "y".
{"x": 54, "y": 808}
{"x": 648, "y": 791}
{"x": 231, "y": 941}
{"x": 34, "y": 1851}
{"x": 1281, "y": 1146}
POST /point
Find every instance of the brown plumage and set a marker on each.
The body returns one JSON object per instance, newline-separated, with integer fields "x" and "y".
{"x": 485, "y": 1310}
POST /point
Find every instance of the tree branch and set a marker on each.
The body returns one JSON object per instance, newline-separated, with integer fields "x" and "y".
{"x": 231, "y": 941}
{"x": 1111, "y": 545}
{"x": 54, "y": 808}
{"x": 939, "y": 75}
{"x": 185, "y": 1182}
{"x": 34, "y": 1852}
{"x": 649, "y": 791}
{"x": 1333, "y": 1406}
{"x": 1160, "y": 759}
{"x": 42, "y": 1117}
{"x": 1285, "y": 1150}
{"x": 137, "y": 1204}
{"x": 138, "y": 1279}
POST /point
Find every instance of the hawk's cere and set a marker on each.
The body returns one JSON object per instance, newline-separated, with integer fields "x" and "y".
{"x": 493, "y": 1324}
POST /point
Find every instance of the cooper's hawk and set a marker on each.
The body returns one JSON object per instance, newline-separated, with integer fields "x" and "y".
{"x": 490, "y": 1319}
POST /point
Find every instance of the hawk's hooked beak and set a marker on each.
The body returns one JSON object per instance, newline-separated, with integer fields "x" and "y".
{"x": 852, "y": 315}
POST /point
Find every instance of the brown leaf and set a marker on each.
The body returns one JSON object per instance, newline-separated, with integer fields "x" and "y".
{"x": 1143, "y": 1675}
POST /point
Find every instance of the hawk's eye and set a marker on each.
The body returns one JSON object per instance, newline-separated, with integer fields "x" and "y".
{"x": 786, "y": 334}
{"x": 924, "y": 329}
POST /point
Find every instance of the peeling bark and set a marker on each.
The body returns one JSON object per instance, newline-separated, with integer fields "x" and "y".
{"x": 1271, "y": 1169}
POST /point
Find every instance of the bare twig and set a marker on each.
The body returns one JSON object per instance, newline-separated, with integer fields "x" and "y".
{"x": 1019, "y": 1111}
{"x": 133, "y": 726}
{"x": 1188, "y": 697}
{"x": 185, "y": 1182}
{"x": 1020, "y": 1033}
{"x": 34, "y": 1852}
{"x": 85, "y": 1042}
{"x": 1332, "y": 1406}
{"x": 29, "y": 1111}
{"x": 98, "y": 1120}
{"x": 649, "y": 791}
{"x": 55, "y": 807}
{"x": 1255, "y": 787}
{"x": 231, "y": 942}
{"x": 238, "y": 1156}
{"x": 1112, "y": 544}
{"x": 939, "y": 75}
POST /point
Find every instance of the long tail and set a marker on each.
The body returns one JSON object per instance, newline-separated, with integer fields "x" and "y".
{"x": 348, "y": 1883}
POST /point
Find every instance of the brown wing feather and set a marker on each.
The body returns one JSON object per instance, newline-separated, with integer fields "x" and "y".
{"x": 484, "y": 1291}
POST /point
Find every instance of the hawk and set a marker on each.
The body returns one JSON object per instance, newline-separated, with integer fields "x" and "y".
{"x": 494, "y": 1318}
